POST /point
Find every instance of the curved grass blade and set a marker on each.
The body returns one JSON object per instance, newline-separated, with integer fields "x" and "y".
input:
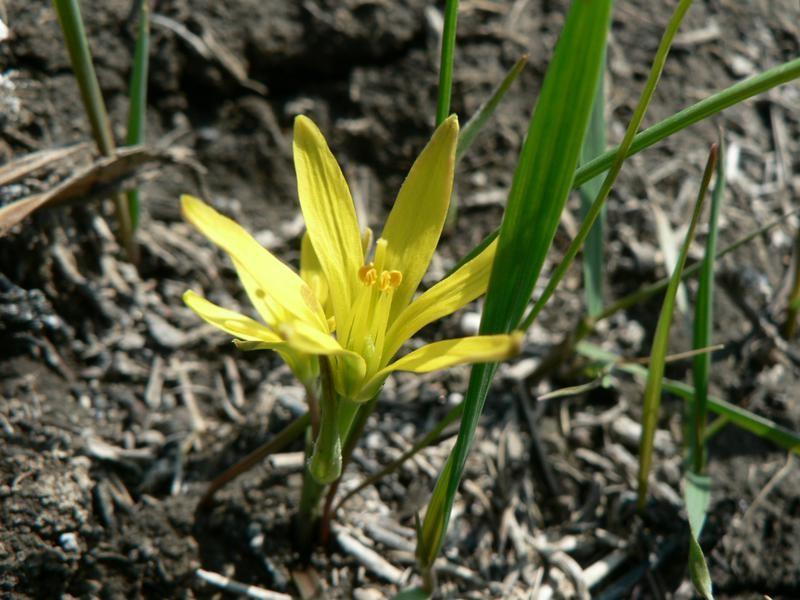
{"x": 742, "y": 418}
{"x": 697, "y": 496}
{"x": 703, "y": 325}
{"x": 730, "y": 96}
{"x": 738, "y": 92}
{"x": 619, "y": 158}
{"x": 654, "y": 288}
{"x": 69, "y": 17}
{"x": 594, "y": 145}
{"x": 137, "y": 93}
{"x": 468, "y": 133}
{"x": 538, "y": 193}
{"x": 658, "y": 353}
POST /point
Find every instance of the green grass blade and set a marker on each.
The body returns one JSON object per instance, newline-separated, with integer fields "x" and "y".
{"x": 541, "y": 184}
{"x": 658, "y": 353}
{"x": 697, "y": 495}
{"x": 486, "y": 110}
{"x": 654, "y": 288}
{"x": 739, "y": 92}
{"x": 446, "y": 64}
{"x": 138, "y": 98}
{"x": 742, "y": 418}
{"x": 69, "y": 17}
{"x": 790, "y": 325}
{"x": 594, "y": 145}
{"x": 703, "y": 325}
{"x": 638, "y": 116}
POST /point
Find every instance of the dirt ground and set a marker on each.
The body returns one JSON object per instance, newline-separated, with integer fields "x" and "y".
{"x": 118, "y": 406}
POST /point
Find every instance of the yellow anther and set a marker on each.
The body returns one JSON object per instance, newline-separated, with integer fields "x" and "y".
{"x": 390, "y": 280}
{"x": 368, "y": 274}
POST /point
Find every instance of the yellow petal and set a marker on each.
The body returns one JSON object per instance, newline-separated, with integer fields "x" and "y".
{"x": 447, "y": 296}
{"x": 312, "y": 274}
{"x": 329, "y": 214}
{"x": 417, "y": 217}
{"x": 304, "y": 366}
{"x": 309, "y": 339}
{"x": 230, "y": 321}
{"x": 447, "y": 353}
{"x": 350, "y": 367}
{"x": 288, "y": 296}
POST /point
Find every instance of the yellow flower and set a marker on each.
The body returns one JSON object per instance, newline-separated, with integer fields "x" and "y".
{"x": 353, "y": 305}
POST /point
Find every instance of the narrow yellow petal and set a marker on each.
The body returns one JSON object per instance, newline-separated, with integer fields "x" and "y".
{"x": 447, "y": 353}
{"x": 329, "y": 214}
{"x": 230, "y": 321}
{"x": 447, "y": 296}
{"x": 312, "y": 274}
{"x": 304, "y": 366}
{"x": 288, "y": 295}
{"x": 415, "y": 223}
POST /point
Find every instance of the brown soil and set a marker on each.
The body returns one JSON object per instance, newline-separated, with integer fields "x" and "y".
{"x": 103, "y": 460}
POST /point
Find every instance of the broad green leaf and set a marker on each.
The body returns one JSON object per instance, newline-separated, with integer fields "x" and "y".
{"x": 658, "y": 352}
{"x": 538, "y": 193}
{"x": 597, "y": 205}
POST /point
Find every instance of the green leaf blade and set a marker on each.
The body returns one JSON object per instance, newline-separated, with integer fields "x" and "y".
{"x": 477, "y": 122}
{"x": 137, "y": 94}
{"x": 658, "y": 352}
{"x": 539, "y": 191}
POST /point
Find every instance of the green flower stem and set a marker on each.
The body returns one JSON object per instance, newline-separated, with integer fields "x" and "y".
{"x": 326, "y": 461}
{"x": 351, "y": 436}
{"x": 309, "y": 510}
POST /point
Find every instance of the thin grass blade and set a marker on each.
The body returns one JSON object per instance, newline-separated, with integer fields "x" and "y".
{"x": 137, "y": 93}
{"x": 730, "y": 96}
{"x": 790, "y": 325}
{"x": 697, "y": 496}
{"x": 742, "y": 418}
{"x": 477, "y": 122}
{"x": 658, "y": 353}
{"x": 703, "y": 325}
{"x": 538, "y": 193}
{"x": 69, "y": 17}
{"x": 446, "y": 64}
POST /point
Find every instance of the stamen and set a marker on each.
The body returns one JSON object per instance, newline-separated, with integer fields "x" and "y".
{"x": 366, "y": 240}
{"x": 380, "y": 253}
{"x": 389, "y": 280}
{"x": 367, "y": 274}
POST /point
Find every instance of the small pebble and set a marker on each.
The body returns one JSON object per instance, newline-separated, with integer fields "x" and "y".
{"x": 470, "y": 322}
{"x": 69, "y": 542}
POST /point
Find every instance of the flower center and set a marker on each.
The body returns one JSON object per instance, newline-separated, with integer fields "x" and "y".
{"x": 372, "y": 306}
